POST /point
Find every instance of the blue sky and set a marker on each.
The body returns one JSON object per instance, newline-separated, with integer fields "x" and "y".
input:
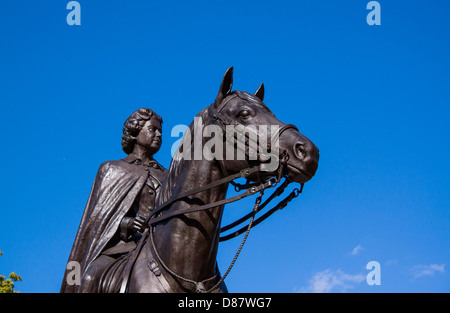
{"x": 374, "y": 99}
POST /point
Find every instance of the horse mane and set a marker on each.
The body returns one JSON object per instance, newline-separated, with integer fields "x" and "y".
{"x": 171, "y": 180}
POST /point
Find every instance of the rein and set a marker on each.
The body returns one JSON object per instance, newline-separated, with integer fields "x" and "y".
{"x": 242, "y": 174}
{"x": 250, "y": 190}
{"x": 200, "y": 286}
{"x": 281, "y": 205}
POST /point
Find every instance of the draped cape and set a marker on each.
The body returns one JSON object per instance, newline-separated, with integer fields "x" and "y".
{"x": 113, "y": 193}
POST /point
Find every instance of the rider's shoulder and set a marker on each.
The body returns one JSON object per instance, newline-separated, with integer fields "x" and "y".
{"x": 113, "y": 165}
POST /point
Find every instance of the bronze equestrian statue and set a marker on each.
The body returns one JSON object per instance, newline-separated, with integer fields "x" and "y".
{"x": 172, "y": 246}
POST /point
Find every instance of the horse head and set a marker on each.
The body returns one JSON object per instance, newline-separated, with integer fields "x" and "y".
{"x": 266, "y": 140}
{"x": 184, "y": 230}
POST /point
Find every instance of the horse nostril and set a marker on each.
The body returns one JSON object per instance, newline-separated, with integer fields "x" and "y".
{"x": 299, "y": 149}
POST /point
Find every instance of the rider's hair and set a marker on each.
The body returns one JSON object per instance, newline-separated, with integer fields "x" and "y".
{"x": 133, "y": 126}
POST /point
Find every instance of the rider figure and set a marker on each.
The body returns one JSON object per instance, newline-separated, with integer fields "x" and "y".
{"x": 122, "y": 197}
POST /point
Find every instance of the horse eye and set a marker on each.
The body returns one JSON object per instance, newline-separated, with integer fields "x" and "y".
{"x": 244, "y": 113}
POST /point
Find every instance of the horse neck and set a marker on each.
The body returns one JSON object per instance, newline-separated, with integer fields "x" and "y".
{"x": 188, "y": 243}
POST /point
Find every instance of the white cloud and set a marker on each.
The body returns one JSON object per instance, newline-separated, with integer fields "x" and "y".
{"x": 332, "y": 281}
{"x": 356, "y": 250}
{"x": 427, "y": 270}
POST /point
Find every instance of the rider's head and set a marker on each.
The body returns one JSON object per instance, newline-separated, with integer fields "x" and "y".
{"x": 135, "y": 123}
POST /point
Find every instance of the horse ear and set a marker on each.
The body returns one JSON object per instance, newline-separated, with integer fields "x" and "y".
{"x": 225, "y": 87}
{"x": 260, "y": 92}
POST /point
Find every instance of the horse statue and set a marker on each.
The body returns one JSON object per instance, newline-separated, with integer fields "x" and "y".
{"x": 178, "y": 249}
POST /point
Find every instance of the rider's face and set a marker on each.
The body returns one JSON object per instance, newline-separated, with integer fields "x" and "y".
{"x": 150, "y": 136}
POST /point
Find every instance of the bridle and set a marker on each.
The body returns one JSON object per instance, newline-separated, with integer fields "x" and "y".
{"x": 260, "y": 186}
{"x": 245, "y": 173}
{"x": 223, "y": 122}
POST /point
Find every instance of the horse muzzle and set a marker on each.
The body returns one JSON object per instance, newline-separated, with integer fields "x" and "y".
{"x": 301, "y": 156}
